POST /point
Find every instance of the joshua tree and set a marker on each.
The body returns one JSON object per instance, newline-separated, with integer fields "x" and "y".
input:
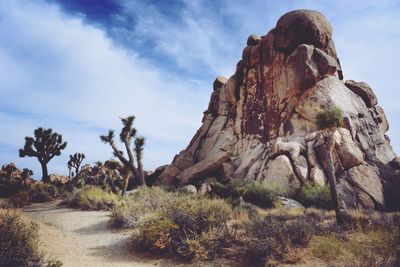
{"x": 75, "y": 161}
{"x": 139, "y": 144}
{"x": 327, "y": 121}
{"x": 126, "y": 135}
{"x": 44, "y": 146}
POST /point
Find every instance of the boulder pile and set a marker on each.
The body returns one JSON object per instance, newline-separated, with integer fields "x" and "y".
{"x": 260, "y": 123}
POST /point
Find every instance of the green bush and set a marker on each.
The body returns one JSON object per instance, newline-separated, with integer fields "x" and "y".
{"x": 329, "y": 118}
{"x": 189, "y": 227}
{"x": 260, "y": 193}
{"x": 19, "y": 243}
{"x": 232, "y": 190}
{"x": 92, "y": 198}
{"x": 317, "y": 196}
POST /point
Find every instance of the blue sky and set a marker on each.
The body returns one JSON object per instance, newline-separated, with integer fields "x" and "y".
{"x": 78, "y": 65}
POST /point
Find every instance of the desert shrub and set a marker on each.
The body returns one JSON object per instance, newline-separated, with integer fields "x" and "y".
{"x": 42, "y": 192}
{"x": 260, "y": 193}
{"x": 328, "y": 247}
{"x": 378, "y": 247}
{"x": 369, "y": 220}
{"x": 10, "y": 185}
{"x": 249, "y": 210}
{"x": 315, "y": 214}
{"x": 92, "y": 198}
{"x": 189, "y": 227}
{"x": 145, "y": 201}
{"x": 329, "y": 118}
{"x": 231, "y": 190}
{"x": 19, "y": 243}
{"x": 19, "y": 199}
{"x": 317, "y": 196}
{"x": 267, "y": 239}
{"x": 284, "y": 214}
{"x": 38, "y": 192}
{"x": 357, "y": 220}
{"x": 300, "y": 231}
{"x": 272, "y": 238}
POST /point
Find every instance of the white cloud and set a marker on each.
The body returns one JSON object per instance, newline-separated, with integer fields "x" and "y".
{"x": 58, "y": 72}
{"x": 196, "y": 40}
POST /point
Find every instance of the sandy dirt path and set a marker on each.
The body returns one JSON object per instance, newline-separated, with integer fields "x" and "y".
{"x": 84, "y": 238}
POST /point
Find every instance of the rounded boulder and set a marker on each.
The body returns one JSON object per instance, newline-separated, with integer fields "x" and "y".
{"x": 302, "y": 27}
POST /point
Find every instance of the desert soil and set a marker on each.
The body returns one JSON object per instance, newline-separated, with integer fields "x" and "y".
{"x": 85, "y": 238}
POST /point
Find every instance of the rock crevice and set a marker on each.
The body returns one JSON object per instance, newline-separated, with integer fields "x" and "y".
{"x": 260, "y": 123}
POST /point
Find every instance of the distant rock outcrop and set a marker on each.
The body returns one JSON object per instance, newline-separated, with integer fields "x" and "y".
{"x": 260, "y": 123}
{"x": 13, "y": 179}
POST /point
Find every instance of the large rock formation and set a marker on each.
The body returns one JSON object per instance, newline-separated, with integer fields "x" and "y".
{"x": 260, "y": 123}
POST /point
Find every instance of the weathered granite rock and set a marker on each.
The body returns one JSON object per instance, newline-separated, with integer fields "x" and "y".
{"x": 204, "y": 189}
{"x": 349, "y": 153}
{"x": 253, "y": 40}
{"x": 348, "y": 195}
{"x": 365, "y": 178}
{"x": 364, "y": 91}
{"x": 318, "y": 176}
{"x": 280, "y": 171}
{"x": 58, "y": 179}
{"x": 302, "y": 27}
{"x": 289, "y": 203}
{"x": 188, "y": 189}
{"x": 262, "y": 119}
{"x": 205, "y": 167}
{"x": 151, "y": 178}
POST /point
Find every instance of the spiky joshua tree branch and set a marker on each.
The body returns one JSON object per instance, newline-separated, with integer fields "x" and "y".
{"x": 75, "y": 162}
{"x": 128, "y": 132}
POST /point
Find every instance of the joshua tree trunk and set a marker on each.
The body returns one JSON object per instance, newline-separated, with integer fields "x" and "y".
{"x": 331, "y": 174}
{"x": 69, "y": 172}
{"x": 45, "y": 174}
{"x": 140, "y": 173}
{"x": 126, "y": 181}
{"x": 111, "y": 184}
{"x": 131, "y": 159}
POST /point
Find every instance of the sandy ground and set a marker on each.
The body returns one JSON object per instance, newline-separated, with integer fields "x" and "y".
{"x": 84, "y": 238}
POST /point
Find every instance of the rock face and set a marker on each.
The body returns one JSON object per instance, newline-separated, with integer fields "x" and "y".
{"x": 260, "y": 123}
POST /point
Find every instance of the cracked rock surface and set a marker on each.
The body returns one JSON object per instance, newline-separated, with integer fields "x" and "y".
{"x": 260, "y": 123}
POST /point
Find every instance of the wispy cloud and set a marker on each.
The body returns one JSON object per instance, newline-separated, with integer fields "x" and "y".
{"x": 58, "y": 72}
